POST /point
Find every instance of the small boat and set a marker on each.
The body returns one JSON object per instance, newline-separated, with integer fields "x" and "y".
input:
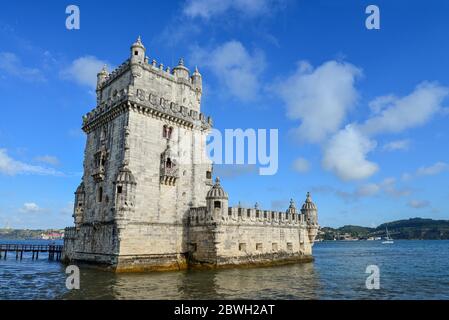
{"x": 388, "y": 239}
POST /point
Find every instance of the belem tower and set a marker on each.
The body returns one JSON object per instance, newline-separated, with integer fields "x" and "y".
{"x": 147, "y": 200}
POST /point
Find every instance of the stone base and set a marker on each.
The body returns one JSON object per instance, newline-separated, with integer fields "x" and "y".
{"x": 177, "y": 262}
{"x": 250, "y": 261}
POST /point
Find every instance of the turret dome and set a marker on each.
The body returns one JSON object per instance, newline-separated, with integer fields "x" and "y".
{"x": 125, "y": 176}
{"x": 217, "y": 192}
{"x": 308, "y": 204}
{"x": 138, "y": 44}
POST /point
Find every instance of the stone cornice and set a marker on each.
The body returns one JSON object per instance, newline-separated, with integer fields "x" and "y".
{"x": 178, "y": 115}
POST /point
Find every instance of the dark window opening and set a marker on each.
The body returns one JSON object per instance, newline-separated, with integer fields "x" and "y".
{"x": 168, "y": 164}
{"x": 208, "y": 175}
{"x": 100, "y": 194}
{"x": 217, "y": 204}
{"x": 248, "y": 213}
{"x": 136, "y": 53}
{"x": 119, "y": 189}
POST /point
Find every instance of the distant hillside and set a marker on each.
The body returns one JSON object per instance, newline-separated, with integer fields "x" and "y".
{"x": 415, "y": 228}
{"x": 18, "y": 234}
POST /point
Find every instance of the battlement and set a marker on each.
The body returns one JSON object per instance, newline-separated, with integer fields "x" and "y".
{"x": 154, "y": 67}
{"x": 245, "y": 216}
{"x": 144, "y": 103}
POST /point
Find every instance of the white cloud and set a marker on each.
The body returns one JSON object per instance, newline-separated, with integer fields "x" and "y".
{"x": 236, "y": 68}
{"x": 12, "y": 65}
{"x": 320, "y": 98}
{"x": 398, "y": 114}
{"x": 84, "y": 71}
{"x": 367, "y": 190}
{"x": 345, "y": 155}
{"x": 433, "y": 169}
{"x": 418, "y": 204}
{"x": 48, "y": 159}
{"x": 30, "y": 207}
{"x": 209, "y": 8}
{"x": 388, "y": 185}
{"x": 301, "y": 165}
{"x": 12, "y": 167}
{"x": 397, "y": 145}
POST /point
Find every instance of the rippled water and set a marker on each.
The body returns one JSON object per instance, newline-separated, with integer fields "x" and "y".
{"x": 408, "y": 270}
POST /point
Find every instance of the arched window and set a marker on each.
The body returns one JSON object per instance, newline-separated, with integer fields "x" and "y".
{"x": 169, "y": 132}
{"x": 168, "y": 164}
{"x": 164, "y": 131}
{"x": 217, "y": 204}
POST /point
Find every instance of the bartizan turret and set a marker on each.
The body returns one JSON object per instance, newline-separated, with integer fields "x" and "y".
{"x": 310, "y": 212}
{"x": 217, "y": 201}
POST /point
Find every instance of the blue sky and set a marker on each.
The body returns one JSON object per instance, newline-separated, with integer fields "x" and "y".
{"x": 362, "y": 114}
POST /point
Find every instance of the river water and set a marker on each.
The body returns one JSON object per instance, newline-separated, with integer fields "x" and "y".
{"x": 408, "y": 270}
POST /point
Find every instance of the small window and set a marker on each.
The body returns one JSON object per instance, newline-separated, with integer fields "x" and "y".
{"x": 257, "y": 213}
{"x": 217, "y": 204}
{"x": 100, "y": 194}
{"x": 136, "y": 53}
{"x": 119, "y": 189}
{"x": 168, "y": 164}
{"x": 80, "y": 204}
{"x": 242, "y": 246}
{"x": 208, "y": 175}
{"x": 169, "y": 132}
{"x": 259, "y": 246}
{"x": 272, "y": 215}
{"x": 164, "y": 131}
{"x": 248, "y": 213}
{"x": 230, "y": 212}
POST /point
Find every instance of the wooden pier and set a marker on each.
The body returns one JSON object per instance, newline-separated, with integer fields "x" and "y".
{"x": 54, "y": 251}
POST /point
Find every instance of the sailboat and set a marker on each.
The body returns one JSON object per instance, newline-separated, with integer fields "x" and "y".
{"x": 388, "y": 239}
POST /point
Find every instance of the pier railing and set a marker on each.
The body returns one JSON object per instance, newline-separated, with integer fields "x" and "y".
{"x": 54, "y": 251}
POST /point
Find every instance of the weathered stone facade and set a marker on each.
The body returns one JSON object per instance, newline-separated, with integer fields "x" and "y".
{"x": 147, "y": 200}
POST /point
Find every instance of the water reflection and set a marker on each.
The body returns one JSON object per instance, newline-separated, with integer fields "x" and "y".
{"x": 248, "y": 283}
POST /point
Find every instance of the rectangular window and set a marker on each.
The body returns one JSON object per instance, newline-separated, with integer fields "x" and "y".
{"x": 119, "y": 189}
{"x": 259, "y": 246}
{"x": 248, "y": 213}
{"x": 208, "y": 175}
{"x": 242, "y": 246}
{"x": 257, "y": 214}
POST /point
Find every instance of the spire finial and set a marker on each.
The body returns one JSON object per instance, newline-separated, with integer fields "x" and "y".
{"x": 217, "y": 180}
{"x": 181, "y": 62}
{"x": 292, "y": 203}
{"x": 309, "y": 198}
{"x": 256, "y": 206}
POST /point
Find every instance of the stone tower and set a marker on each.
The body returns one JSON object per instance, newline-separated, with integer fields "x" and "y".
{"x": 310, "y": 212}
{"x": 145, "y": 166}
